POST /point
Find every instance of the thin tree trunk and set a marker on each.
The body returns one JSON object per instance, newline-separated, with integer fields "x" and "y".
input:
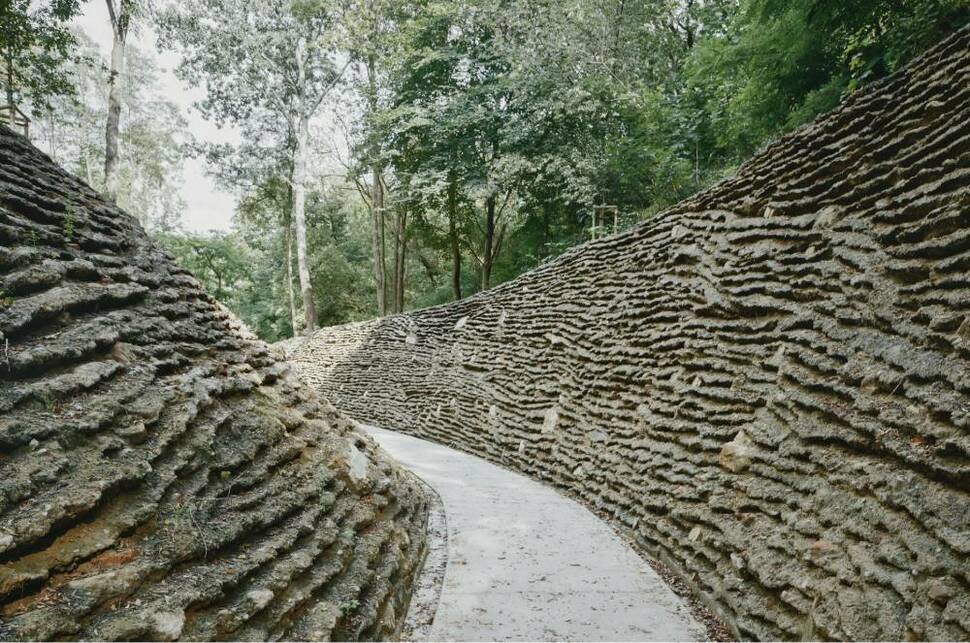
{"x": 395, "y": 261}
{"x": 400, "y": 259}
{"x": 52, "y": 138}
{"x": 294, "y": 321}
{"x": 544, "y": 250}
{"x": 453, "y": 238}
{"x": 489, "y": 242}
{"x": 87, "y": 166}
{"x": 119, "y": 33}
{"x": 377, "y": 202}
{"x": 302, "y": 132}
{"x": 10, "y": 93}
{"x": 299, "y": 219}
{"x": 288, "y": 240}
{"x": 377, "y": 238}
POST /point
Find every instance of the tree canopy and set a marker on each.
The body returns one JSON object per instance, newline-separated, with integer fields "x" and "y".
{"x": 394, "y": 155}
{"x": 36, "y": 46}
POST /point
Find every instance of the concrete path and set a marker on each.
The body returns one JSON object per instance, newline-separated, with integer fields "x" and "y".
{"x": 525, "y": 563}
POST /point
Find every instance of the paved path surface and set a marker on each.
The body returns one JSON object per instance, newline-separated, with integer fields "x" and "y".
{"x": 525, "y": 563}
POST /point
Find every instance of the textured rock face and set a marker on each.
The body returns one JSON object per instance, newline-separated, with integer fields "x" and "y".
{"x": 768, "y": 384}
{"x": 162, "y": 475}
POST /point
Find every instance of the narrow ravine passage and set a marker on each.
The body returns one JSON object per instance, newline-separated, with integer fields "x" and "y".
{"x": 525, "y": 563}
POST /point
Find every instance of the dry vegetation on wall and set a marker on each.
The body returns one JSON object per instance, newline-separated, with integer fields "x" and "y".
{"x": 162, "y": 475}
{"x": 767, "y": 383}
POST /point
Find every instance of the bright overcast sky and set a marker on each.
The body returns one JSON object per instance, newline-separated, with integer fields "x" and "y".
{"x": 207, "y": 207}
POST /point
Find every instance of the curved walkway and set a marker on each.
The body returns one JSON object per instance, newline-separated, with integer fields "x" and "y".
{"x": 526, "y": 563}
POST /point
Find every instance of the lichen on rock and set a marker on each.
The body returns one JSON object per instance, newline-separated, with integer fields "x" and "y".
{"x": 163, "y": 475}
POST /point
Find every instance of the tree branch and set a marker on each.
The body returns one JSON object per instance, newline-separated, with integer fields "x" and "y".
{"x": 112, "y": 15}
{"x": 333, "y": 84}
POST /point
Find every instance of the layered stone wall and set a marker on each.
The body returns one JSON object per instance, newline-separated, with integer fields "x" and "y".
{"x": 767, "y": 384}
{"x": 162, "y": 474}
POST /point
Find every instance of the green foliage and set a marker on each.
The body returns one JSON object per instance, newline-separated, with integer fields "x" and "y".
{"x": 219, "y": 261}
{"x": 35, "y": 45}
{"x": 555, "y": 106}
{"x": 780, "y": 63}
{"x": 237, "y": 273}
{"x": 548, "y": 108}
{"x": 870, "y": 37}
{"x": 152, "y": 136}
{"x": 69, "y": 224}
{"x": 246, "y": 269}
{"x": 244, "y": 54}
{"x": 494, "y": 126}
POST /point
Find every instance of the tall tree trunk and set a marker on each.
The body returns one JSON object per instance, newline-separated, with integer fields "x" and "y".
{"x": 302, "y": 135}
{"x": 377, "y": 238}
{"x": 294, "y": 321}
{"x": 119, "y": 36}
{"x": 400, "y": 258}
{"x": 11, "y": 116}
{"x": 395, "y": 260}
{"x": 87, "y": 166}
{"x": 52, "y": 139}
{"x": 453, "y": 239}
{"x": 299, "y": 220}
{"x": 544, "y": 250}
{"x": 377, "y": 201}
{"x": 489, "y": 242}
{"x": 288, "y": 240}
{"x": 10, "y": 93}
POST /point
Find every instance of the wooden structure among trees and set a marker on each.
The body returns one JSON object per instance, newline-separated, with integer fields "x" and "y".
{"x": 602, "y": 214}
{"x": 15, "y": 119}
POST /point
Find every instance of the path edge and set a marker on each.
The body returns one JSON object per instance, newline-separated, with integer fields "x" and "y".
{"x": 716, "y": 629}
{"x": 426, "y": 592}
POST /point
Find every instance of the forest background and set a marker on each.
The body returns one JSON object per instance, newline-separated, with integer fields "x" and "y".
{"x": 396, "y": 154}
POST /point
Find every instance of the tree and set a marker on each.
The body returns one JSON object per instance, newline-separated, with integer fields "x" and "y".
{"x": 365, "y": 22}
{"x": 152, "y": 135}
{"x": 35, "y": 43}
{"x": 467, "y": 120}
{"x": 778, "y": 64}
{"x": 220, "y": 261}
{"x": 269, "y": 199}
{"x": 481, "y": 133}
{"x": 266, "y": 64}
{"x": 120, "y": 15}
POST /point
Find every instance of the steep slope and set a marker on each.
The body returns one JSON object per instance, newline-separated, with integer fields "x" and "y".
{"x": 767, "y": 384}
{"x": 162, "y": 475}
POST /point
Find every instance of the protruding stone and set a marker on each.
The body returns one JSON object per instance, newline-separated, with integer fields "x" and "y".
{"x": 260, "y": 598}
{"x": 168, "y": 625}
{"x": 124, "y": 353}
{"x": 822, "y": 548}
{"x": 736, "y": 455}
{"x": 550, "y": 419}
{"x": 738, "y": 561}
{"x": 942, "y": 590}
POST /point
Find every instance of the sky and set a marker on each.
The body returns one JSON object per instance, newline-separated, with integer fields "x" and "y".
{"x": 207, "y": 206}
